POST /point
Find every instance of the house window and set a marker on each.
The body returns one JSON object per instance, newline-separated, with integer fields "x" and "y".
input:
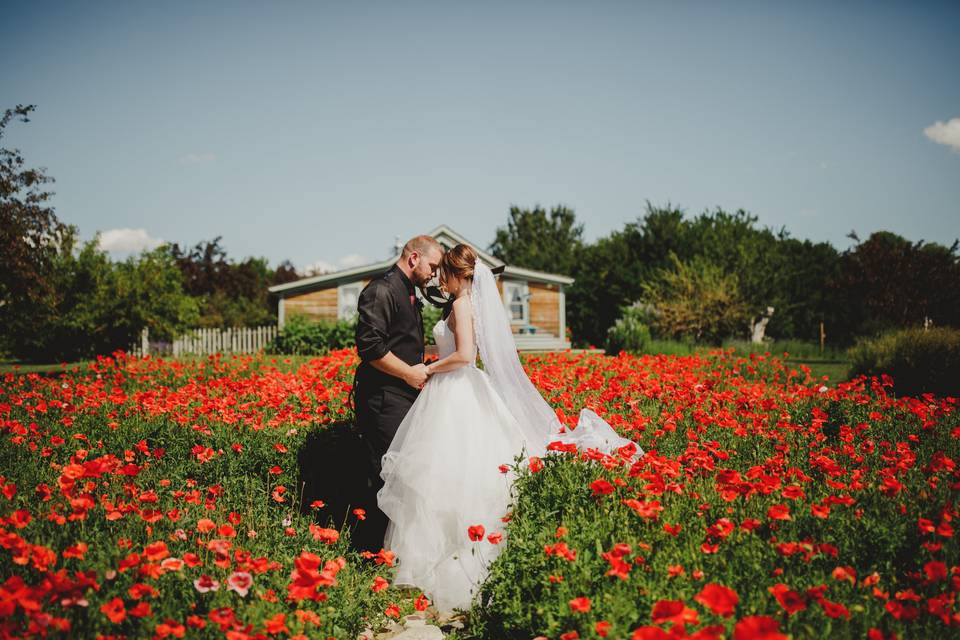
{"x": 516, "y": 298}
{"x": 347, "y": 297}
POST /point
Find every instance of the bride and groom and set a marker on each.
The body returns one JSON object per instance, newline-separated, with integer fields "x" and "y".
{"x": 435, "y": 436}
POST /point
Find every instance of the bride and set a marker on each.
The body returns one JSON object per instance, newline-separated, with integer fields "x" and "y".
{"x": 441, "y": 472}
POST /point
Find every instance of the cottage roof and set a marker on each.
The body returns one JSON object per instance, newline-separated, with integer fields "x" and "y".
{"x": 445, "y": 236}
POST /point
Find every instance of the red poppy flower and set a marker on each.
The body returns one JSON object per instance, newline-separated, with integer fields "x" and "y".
{"x": 790, "y": 600}
{"x": 476, "y": 532}
{"x": 580, "y": 605}
{"x": 758, "y": 628}
{"x": 114, "y": 610}
{"x": 718, "y": 598}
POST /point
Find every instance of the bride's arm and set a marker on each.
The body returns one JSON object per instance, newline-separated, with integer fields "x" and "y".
{"x": 463, "y": 333}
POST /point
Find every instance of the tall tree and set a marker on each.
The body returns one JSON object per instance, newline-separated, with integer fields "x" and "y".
{"x": 888, "y": 281}
{"x": 537, "y": 240}
{"x": 30, "y": 233}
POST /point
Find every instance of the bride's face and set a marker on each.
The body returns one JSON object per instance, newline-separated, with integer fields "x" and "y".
{"x": 452, "y": 284}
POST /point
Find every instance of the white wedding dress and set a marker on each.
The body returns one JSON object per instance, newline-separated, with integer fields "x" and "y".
{"x": 441, "y": 472}
{"x": 441, "y": 476}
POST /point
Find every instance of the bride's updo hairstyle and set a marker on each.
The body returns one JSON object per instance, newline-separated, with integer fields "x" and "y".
{"x": 457, "y": 263}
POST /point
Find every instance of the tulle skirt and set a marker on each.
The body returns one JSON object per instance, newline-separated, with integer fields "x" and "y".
{"x": 441, "y": 476}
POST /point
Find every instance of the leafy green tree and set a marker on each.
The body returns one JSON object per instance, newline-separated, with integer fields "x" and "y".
{"x": 230, "y": 293}
{"x": 30, "y": 233}
{"x": 696, "y": 300}
{"x": 607, "y": 278}
{"x": 888, "y": 282}
{"x": 98, "y": 306}
{"x": 537, "y": 240}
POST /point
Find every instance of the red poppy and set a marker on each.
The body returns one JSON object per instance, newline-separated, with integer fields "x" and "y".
{"x": 718, "y": 598}
{"x": 790, "y": 600}
{"x": 580, "y": 605}
{"x": 758, "y": 628}
{"x": 114, "y": 610}
{"x": 476, "y": 532}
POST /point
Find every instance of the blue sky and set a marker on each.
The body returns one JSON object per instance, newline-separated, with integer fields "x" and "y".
{"x": 320, "y": 131}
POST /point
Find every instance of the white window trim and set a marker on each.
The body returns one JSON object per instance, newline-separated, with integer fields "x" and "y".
{"x": 342, "y": 299}
{"x": 524, "y": 288}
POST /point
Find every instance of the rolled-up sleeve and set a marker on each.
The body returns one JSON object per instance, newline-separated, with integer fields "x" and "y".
{"x": 375, "y": 308}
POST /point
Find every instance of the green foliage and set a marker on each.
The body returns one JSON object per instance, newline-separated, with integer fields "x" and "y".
{"x": 30, "y": 233}
{"x": 696, "y": 300}
{"x": 301, "y": 336}
{"x": 97, "y": 306}
{"x": 918, "y": 360}
{"x": 431, "y": 315}
{"x": 793, "y": 349}
{"x": 533, "y": 240}
{"x": 772, "y": 269}
{"x": 888, "y": 282}
{"x": 630, "y": 332}
{"x": 231, "y": 293}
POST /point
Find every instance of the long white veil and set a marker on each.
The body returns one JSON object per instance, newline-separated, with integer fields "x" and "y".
{"x": 498, "y": 351}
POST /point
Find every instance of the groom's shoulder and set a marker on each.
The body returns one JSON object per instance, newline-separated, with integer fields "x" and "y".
{"x": 378, "y": 285}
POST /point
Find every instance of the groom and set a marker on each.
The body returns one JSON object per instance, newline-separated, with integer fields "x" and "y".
{"x": 391, "y": 347}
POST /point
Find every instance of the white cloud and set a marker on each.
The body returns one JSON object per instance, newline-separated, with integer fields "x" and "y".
{"x": 318, "y": 268}
{"x": 346, "y": 262}
{"x": 197, "y": 158}
{"x": 946, "y": 133}
{"x": 353, "y": 260}
{"x": 127, "y": 240}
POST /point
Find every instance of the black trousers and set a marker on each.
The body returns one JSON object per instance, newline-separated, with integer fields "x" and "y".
{"x": 379, "y": 409}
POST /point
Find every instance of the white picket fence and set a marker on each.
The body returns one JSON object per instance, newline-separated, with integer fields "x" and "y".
{"x": 207, "y": 341}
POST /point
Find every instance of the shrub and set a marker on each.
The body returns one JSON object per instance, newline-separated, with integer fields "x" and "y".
{"x": 696, "y": 300}
{"x": 918, "y": 360}
{"x": 301, "y": 336}
{"x": 629, "y": 332}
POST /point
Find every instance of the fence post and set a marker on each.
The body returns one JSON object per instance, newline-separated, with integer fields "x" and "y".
{"x": 145, "y": 342}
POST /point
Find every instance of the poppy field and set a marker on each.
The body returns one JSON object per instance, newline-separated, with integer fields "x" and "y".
{"x": 146, "y": 498}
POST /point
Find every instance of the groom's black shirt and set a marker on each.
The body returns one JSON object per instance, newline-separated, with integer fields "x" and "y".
{"x": 388, "y": 321}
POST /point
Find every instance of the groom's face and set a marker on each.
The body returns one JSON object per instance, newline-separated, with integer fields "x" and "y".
{"x": 426, "y": 267}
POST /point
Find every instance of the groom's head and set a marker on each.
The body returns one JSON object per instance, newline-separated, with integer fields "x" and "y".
{"x": 420, "y": 259}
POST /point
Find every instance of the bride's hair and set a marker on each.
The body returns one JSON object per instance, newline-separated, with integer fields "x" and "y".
{"x": 457, "y": 263}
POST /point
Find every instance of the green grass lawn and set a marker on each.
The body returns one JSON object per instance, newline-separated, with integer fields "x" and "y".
{"x": 836, "y": 370}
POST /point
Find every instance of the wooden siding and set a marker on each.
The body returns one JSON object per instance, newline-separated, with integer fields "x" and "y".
{"x": 545, "y": 308}
{"x": 316, "y": 305}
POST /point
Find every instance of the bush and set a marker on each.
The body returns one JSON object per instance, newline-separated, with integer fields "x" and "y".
{"x": 918, "y": 360}
{"x": 696, "y": 300}
{"x": 629, "y": 332}
{"x": 303, "y": 337}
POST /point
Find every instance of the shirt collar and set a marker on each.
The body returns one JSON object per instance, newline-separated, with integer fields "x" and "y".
{"x": 405, "y": 280}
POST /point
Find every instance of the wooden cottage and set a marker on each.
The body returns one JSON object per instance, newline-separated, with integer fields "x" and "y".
{"x": 534, "y": 300}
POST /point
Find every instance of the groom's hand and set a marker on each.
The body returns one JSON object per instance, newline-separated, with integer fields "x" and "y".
{"x": 417, "y": 376}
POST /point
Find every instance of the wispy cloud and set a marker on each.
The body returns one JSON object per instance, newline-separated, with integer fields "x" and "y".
{"x": 198, "y": 158}
{"x": 127, "y": 240}
{"x": 946, "y": 133}
{"x": 349, "y": 261}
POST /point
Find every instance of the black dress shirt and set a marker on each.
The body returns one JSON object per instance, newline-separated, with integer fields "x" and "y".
{"x": 388, "y": 322}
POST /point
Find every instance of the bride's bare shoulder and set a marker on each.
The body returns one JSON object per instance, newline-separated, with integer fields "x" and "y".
{"x": 461, "y": 305}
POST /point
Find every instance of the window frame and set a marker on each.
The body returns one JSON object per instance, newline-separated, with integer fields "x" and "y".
{"x": 509, "y": 286}
{"x": 341, "y": 299}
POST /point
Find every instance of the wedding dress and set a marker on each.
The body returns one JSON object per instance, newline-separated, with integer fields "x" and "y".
{"x": 442, "y": 473}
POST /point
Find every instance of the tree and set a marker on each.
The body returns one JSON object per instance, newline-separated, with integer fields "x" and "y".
{"x": 696, "y": 300}
{"x": 230, "y": 293}
{"x": 890, "y": 282}
{"x": 99, "y": 306}
{"x": 30, "y": 233}
{"x": 534, "y": 240}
